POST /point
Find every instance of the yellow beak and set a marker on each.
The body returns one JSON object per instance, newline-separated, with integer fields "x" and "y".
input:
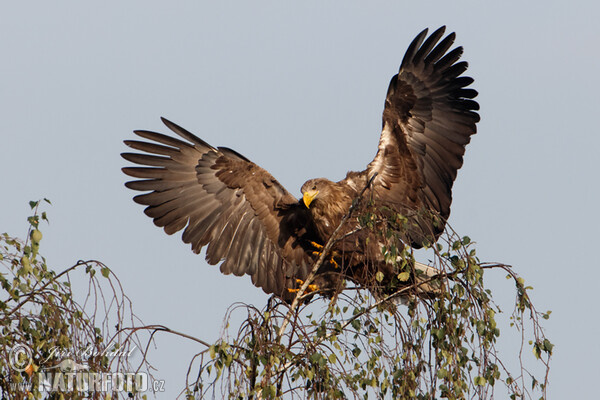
{"x": 309, "y": 196}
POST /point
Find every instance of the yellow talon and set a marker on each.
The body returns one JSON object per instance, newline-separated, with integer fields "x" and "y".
{"x": 317, "y": 245}
{"x": 331, "y": 259}
{"x": 311, "y": 287}
{"x": 335, "y": 264}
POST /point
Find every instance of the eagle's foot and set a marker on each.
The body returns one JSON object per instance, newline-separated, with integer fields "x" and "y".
{"x": 331, "y": 259}
{"x": 319, "y": 251}
{"x": 309, "y": 289}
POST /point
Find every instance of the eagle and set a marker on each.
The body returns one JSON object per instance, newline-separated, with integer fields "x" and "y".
{"x": 253, "y": 226}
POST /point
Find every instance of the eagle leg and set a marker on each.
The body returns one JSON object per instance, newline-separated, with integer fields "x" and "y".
{"x": 311, "y": 287}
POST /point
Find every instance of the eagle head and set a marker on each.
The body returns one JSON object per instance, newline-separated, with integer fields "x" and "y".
{"x": 314, "y": 189}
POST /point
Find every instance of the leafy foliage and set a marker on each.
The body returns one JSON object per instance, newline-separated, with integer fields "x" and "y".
{"x": 43, "y": 326}
{"x": 383, "y": 341}
{"x": 357, "y": 345}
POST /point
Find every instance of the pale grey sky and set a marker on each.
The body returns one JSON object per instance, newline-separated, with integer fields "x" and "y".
{"x": 78, "y": 77}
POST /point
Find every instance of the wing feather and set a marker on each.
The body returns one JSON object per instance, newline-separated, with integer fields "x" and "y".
{"x": 221, "y": 199}
{"x": 428, "y": 119}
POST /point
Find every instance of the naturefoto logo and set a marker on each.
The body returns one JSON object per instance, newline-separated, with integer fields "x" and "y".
{"x": 64, "y": 374}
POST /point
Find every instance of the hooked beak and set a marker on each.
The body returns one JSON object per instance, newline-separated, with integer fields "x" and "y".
{"x": 309, "y": 196}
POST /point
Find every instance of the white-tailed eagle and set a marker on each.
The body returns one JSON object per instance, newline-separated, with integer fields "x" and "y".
{"x": 252, "y": 225}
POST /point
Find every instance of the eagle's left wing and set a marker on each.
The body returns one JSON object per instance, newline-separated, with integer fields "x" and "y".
{"x": 428, "y": 119}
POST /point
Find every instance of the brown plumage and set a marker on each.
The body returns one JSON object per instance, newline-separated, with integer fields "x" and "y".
{"x": 252, "y": 225}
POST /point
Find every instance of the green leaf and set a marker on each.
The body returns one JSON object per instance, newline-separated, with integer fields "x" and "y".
{"x": 537, "y": 351}
{"x": 36, "y": 236}
{"x": 403, "y": 276}
{"x": 479, "y": 381}
{"x": 546, "y": 315}
{"x": 33, "y": 220}
{"x": 269, "y": 392}
{"x": 547, "y": 346}
{"x": 105, "y": 271}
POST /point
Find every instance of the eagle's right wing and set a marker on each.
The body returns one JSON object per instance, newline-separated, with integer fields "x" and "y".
{"x": 223, "y": 200}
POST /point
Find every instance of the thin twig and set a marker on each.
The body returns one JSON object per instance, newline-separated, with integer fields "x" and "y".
{"x": 162, "y": 328}
{"x": 53, "y": 279}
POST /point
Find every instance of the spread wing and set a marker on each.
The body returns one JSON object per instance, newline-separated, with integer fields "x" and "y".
{"x": 221, "y": 199}
{"x": 428, "y": 119}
